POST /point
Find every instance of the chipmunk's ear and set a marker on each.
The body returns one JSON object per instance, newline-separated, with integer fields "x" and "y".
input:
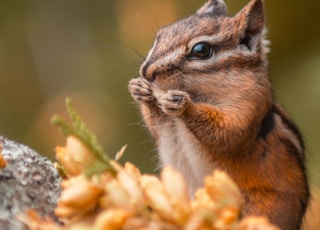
{"x": 250, "y": 22}
{"x": 214, "y": 7}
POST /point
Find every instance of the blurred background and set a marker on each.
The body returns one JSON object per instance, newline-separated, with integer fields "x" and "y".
{"x": 90, "y": 49}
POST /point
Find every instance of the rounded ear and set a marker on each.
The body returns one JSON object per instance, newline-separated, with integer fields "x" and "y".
{"x": 251, "y": 23}
{"x": 214, "y": 7}
{"x": 251, "y": 17}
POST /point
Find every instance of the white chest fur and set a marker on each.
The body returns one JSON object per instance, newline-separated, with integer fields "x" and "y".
{"x": 179, "y": 148}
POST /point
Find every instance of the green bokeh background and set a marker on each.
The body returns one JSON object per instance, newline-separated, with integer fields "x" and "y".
{"x": 86, "y": 49}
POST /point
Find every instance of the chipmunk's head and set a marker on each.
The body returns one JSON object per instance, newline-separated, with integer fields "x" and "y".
{"x": 211, "y": 50}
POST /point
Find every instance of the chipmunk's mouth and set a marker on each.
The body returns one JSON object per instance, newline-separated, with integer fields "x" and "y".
{"x": 156, "y": 92}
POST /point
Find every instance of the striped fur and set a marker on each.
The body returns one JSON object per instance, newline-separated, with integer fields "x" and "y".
{"x": 219, "y": 112}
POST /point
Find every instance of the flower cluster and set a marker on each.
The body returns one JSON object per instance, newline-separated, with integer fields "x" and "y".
{"x": 100, "y": 194}
{"x": 131, "y": 200}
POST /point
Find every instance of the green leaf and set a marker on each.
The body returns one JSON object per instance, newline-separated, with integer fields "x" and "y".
{"x": 79, "y": 129}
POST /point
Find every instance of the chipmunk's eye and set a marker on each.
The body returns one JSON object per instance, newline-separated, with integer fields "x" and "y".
{"x": 201, "y": 51}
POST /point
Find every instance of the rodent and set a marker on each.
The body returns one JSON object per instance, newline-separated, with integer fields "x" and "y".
{"x": 206, "y": 98}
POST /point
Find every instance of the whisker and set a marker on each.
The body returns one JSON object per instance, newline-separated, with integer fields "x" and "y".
{"x": 123, "y": 48}
{"x": 138, "y": 123}
{"x": 157, "y": 126}
{"x": 127, "y": 49}
{"x": 144, "y": 29}
{"x": 152, "y": 15}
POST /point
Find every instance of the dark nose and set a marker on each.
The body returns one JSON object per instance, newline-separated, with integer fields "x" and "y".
{"x": 147, "y": 72}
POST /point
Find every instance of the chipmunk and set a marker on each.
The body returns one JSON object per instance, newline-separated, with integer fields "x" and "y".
{"x": 206, "y": 98}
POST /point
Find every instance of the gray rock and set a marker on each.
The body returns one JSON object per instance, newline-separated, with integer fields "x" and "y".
{"x": 29, "y": 181}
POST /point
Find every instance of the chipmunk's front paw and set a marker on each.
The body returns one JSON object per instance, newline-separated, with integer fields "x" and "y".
{"x": 140, "y": 90}
{"x": 174, "y": 102}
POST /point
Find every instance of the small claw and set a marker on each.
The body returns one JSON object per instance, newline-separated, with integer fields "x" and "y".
{"x": 174, "y": 102}
{"x": 140, "y": 90}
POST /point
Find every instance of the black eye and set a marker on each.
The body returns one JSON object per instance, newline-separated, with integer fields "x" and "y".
{"x": 201, "y": 51}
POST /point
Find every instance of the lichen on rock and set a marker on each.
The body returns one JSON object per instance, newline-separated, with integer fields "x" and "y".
{"x": 27, "y": 181}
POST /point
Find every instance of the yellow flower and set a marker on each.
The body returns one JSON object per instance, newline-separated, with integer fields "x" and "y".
{"x": 226, "y": 218}
{"x": 132, "y": 170}
{"x": 217, "y": 205}
{"x": 111, "y": 219}
{"x": 157, "y": 197}
{"x": 74, "y": 157}
{"x": 199, "y": 223}
{"x": 203, "y": 201}
{"x": 79, "y": 196}
{"x": 176, "y": 190}
{"x": 133, "y": 189}
{"x": 124, "y": 190}
{"x": 117, "y": 197}
{"x": 221, "y": 189}
{"x": 227, "y": 197}
{"x": 256, "y": 223}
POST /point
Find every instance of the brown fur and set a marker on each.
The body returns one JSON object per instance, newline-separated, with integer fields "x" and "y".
{"x": 219, "y": 112}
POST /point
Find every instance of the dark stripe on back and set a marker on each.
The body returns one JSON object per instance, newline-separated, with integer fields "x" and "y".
{"x": 293, "y": 151}
{"x": 267, "y": 125}
{"x": 288, "y": 123}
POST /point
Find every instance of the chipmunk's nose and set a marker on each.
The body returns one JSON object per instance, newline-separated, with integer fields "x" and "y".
{"x": 147, "y": 71}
